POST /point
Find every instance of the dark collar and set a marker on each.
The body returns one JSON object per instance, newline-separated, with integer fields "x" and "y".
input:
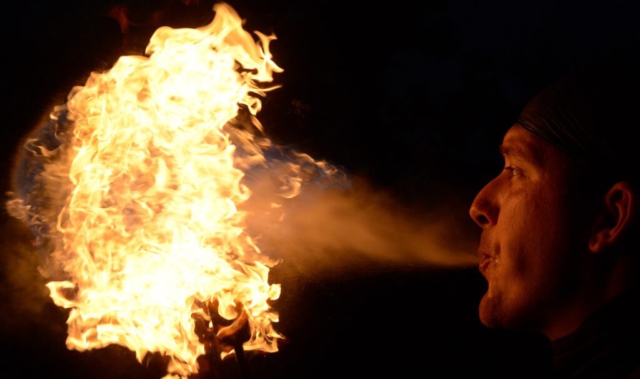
{"x": 607, "y": 344}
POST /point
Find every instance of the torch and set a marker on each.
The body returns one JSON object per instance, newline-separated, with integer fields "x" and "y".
{"x": 221, "y": 337}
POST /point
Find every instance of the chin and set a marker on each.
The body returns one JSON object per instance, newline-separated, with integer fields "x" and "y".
{"x": 487, "y": 312}
{"x": 494, "y": 314}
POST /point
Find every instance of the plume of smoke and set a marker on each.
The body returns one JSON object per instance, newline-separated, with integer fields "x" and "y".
{"x": 340, "y": 224}
{"x": 317, "y": 219}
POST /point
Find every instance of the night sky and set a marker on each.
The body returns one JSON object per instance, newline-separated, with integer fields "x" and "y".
{"x": 412, "y": 98}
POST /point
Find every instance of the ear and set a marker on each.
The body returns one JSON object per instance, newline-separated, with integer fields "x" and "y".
{"x": 615, "y": 216}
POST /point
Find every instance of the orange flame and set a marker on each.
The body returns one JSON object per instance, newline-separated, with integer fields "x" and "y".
{"x": 143, "y": 194}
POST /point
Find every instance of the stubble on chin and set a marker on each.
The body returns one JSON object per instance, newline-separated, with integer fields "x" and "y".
{"x": 488, "y": 311}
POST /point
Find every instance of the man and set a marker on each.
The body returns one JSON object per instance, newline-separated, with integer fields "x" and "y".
{"x": 559, "y": 243}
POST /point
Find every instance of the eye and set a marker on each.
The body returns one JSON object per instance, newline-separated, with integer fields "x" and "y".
{"x": 514, "y": 171}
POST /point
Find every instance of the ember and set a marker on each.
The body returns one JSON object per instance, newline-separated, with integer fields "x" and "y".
{"x": 136, "y": 191}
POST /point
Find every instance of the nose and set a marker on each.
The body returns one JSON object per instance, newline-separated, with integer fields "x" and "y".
{"x": 485, "y": 208}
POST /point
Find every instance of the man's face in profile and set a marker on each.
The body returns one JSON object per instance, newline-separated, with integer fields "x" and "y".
{"x": 531, "y": 235}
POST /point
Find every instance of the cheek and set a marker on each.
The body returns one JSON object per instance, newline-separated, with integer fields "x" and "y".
{"x": 543, "y": 256}
{"x": 531, "y": 240}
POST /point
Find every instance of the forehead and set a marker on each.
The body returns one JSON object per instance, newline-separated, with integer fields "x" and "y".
{"x": 519, "y": 143}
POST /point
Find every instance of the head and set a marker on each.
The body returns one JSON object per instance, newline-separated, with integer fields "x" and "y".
{"x": 557, "y": 222}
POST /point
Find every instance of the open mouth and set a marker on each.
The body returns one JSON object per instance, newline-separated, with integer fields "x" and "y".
{"x": 485, "y": 262}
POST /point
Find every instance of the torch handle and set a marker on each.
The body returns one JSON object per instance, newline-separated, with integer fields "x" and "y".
{"x": 241, "y": 358}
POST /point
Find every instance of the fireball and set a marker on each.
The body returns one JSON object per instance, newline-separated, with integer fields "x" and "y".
{"x": 136, "y": 188}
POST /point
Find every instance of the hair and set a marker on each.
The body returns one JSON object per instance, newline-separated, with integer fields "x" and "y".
{"x": 593, "y": 118}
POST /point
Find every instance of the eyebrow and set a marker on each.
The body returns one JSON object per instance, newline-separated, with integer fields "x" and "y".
{"x": 523, "y": 151}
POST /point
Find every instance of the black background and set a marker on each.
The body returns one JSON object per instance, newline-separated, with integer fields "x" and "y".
{"x": 412, "y": 97}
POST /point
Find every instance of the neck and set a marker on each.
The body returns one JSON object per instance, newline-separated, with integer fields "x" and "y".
{"x": 594, "y": 292}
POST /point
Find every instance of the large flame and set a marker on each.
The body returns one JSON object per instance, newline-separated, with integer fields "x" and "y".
{"x": 140, "y": 192}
